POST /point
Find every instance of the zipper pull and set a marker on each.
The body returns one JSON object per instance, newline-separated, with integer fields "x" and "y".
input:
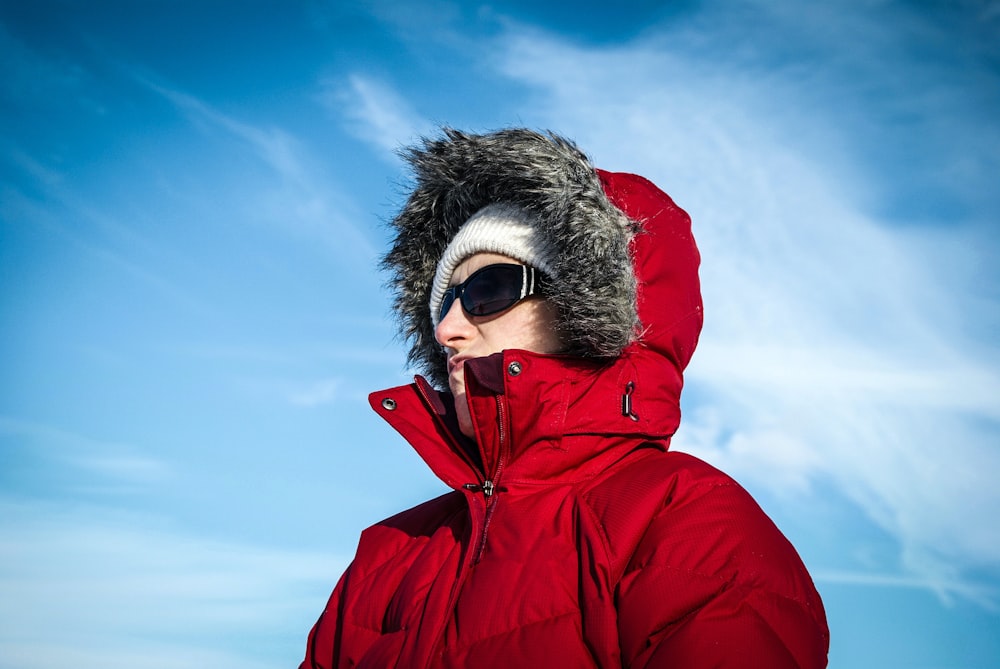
{"x": 486, "y": 488}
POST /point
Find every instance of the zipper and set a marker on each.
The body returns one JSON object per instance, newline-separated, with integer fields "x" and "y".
{"x": 489, "y": 487}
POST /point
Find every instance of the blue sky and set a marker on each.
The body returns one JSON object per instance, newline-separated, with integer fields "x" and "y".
{"x": 193, "y": 198}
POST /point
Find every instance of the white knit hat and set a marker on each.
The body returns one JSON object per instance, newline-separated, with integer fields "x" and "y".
{"x": 496, "y": 228}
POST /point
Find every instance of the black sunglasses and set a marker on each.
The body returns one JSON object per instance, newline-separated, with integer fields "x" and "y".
{"x": 493, "y": 289}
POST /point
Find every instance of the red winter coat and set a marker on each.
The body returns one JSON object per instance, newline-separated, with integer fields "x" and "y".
{"x": 582, "y": 541}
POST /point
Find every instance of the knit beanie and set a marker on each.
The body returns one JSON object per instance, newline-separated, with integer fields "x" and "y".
{"x": 496, "y": 228}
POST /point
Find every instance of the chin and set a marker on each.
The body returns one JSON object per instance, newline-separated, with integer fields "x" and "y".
{"x": 464, "y": 419}
{"x": 467, "y": 431}
{"x": 465, "y": 422}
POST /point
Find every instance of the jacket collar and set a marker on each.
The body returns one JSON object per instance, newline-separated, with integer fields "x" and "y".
{"x": 539, "y": 418}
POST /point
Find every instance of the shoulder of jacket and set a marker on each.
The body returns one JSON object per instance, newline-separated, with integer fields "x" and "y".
{"x": 702, "y": 526}
{"x": 653, "y": 478}
{"x": 633, "y": 494}
{"x": 385, "y": 539}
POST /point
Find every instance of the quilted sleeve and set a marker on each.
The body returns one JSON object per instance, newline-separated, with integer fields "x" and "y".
{"x": 321, "y": 649}
{"x": 714, "y": 583}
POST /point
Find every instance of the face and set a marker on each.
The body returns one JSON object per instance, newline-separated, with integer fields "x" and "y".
{"x": 528, "y": 325}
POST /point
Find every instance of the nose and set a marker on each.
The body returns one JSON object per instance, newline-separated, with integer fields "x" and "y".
{"x": 454, "y": 328}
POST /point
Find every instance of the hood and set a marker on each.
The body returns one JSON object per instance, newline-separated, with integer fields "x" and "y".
{"x": 587, "y": 237}
{"x": 615, "y": 240}
{"x": 666, "y": 260}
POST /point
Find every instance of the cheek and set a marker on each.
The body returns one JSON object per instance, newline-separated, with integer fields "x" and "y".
{"x": 530, "y": 326}
{"x": 550, "y": 342}
{"x": 540, "y": 330}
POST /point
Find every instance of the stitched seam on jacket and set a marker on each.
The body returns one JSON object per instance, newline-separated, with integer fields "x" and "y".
{"x": 688, "y": 315}
{"x": 515, "y": 628}
{"x": 712, "y": 487}
{"x": 603, "y": 533}
{"x": 606, "y": 545}
{"x": 406, "y": 543}
{"x": 804, "y": 605}
{"x": 624, "y": 463}
{"x": 375, "y": 630}
{"x": 774, "y": 633}
{"x": 731, "y": 584}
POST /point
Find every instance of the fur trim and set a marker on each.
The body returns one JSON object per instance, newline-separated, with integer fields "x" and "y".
{"x": 586, "y": 236}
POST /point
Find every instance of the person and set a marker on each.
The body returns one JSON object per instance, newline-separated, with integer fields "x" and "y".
{"x": 553, "y": 308}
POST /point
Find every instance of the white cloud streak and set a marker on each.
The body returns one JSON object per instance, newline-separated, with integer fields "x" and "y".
{"x": 56, "y": 207}
{"x": 375, "y": 113}
{"x": 135, "y": 594}
{"x": 120, "y": 466}
{"x": 300, "y": 202}
{"x": 834, "y": 347}
{"x": 947, "y": 590}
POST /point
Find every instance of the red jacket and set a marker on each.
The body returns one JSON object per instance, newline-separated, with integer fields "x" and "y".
{"x": 581, "y": 540}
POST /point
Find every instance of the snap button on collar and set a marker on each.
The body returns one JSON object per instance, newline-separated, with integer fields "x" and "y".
{"x": 514, "y": 368}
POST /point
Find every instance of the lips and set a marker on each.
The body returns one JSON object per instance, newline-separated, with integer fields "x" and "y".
{"x": 456, "y": 362}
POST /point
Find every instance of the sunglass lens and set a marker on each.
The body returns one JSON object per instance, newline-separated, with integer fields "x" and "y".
{"x": 449, "y": 299}
{"x": 492, "y": 290}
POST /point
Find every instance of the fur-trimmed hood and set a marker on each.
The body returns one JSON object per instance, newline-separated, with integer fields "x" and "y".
{"x": 594, "y": 284}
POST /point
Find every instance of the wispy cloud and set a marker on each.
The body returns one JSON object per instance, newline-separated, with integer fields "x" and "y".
{"x": 115, "y": 653}
{"x": 70, "y": 463}
{"x": 45, "y": 198}
{"x": 275, "y": 146}
{"x": 835, "y": 346}
{"x": 301, "y": 201}
{"x": 147, "y": 590}
{"x": 375, "y": 113}
{"x": 985, "y": 596}
{"x": 31, "y": 79}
